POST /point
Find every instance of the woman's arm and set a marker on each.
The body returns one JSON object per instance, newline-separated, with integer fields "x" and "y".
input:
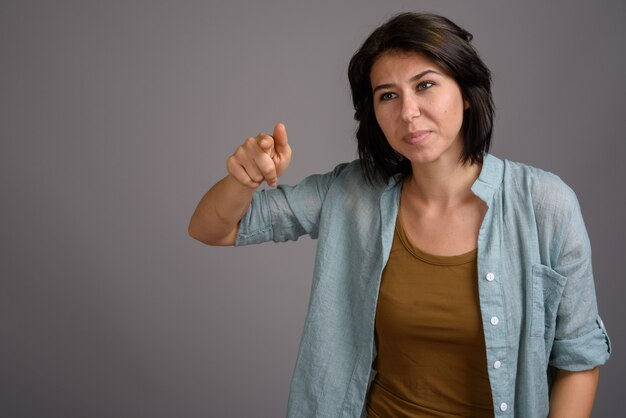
{"x": 573, "y": 393}
{"x": 262, "y": 158}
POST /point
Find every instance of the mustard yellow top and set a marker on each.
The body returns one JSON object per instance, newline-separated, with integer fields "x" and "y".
{"x": 431, "y": 357}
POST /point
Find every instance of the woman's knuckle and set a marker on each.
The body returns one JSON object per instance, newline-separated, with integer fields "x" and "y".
{"x": 268, "y": 171}
{"x": 250, "y": 143}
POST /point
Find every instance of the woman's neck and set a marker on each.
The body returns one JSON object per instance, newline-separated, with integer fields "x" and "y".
{"x": 442, "y": 185}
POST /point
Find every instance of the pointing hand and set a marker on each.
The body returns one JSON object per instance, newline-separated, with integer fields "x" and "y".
{"x": 261, "y": 158}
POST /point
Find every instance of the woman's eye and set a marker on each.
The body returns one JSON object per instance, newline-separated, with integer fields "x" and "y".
{"x": 425, "y": 85}
{"x": 387, "y": 96}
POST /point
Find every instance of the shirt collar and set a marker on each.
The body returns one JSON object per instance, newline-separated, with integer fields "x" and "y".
{"x": 487, "y": 183}
{"x": 490, "y": 178}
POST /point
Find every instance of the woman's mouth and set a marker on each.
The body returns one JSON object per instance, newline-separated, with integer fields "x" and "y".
{"x": 416, "y": 138}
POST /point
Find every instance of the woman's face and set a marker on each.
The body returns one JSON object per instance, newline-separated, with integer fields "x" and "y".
{"x": 418, "y": 107}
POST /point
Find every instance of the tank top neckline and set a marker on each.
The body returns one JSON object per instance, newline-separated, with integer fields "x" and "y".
{"x": 439, "y": 260}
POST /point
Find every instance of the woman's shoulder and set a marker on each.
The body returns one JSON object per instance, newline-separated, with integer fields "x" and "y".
{"x": 528, "y": 173}
{"x": 351, "y": 174}
{"x": 547, "y": 190}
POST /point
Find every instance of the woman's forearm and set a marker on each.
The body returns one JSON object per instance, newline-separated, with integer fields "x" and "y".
{"x": 216, "y": 218}
{"x": 573, "y": 393}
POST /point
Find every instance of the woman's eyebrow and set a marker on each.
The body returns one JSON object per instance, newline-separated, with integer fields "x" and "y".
{"x": 414, "y": 78}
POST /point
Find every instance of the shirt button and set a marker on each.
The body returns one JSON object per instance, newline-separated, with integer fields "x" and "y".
{"x": 497, "y": 364}
{"x": 503, "y": 406}
{"x": 494, "y": 320}
{"x": 490, "y": 277}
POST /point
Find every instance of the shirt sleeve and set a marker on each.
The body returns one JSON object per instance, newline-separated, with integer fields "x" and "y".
{"x": 287, "y": 212}
{"x": 581, "y": 341}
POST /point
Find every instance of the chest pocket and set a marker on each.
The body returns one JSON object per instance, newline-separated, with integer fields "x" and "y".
{"x": 548, "y": 287}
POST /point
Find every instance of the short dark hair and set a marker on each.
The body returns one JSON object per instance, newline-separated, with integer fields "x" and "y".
{"x": 448, "y": 45}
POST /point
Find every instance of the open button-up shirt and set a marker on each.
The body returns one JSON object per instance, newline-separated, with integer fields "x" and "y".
{"x": 536, "y": 288}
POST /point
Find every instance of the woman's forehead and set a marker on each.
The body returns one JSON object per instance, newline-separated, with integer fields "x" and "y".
{"x": 397, "y": 63}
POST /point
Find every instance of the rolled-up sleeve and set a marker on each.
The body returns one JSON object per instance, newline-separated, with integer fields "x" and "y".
{"x": 287, "y": 212}
{"x": 583, "y": 353}
{"x": 581, "y": 341}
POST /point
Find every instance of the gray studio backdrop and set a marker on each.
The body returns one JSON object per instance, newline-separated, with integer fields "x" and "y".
{"x": 115, "y": 118}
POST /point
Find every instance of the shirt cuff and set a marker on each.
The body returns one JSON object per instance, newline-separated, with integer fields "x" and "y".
{"x": 584, "y": 352}
{"x": 256, "y": 225}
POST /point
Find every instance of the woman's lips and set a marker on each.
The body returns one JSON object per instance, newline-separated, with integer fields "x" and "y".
{"x": 416, "y": 138}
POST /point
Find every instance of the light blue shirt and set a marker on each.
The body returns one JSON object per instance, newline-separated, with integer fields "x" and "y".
{"x": 535, "y": 283}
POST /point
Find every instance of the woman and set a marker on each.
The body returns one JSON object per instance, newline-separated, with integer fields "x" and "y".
{"x": 447, "y": 282}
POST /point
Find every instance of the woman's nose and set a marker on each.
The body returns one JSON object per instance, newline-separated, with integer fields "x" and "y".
{"x": 410, "y": 108}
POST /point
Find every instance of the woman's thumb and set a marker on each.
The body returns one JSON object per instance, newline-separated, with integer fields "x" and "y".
{"x": 280, "y": 137}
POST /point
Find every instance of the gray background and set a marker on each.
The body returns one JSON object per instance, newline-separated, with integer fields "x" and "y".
{"x": 116, "y": 116}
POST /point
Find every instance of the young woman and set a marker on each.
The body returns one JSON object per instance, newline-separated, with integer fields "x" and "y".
{"x": 447, "y": 282}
